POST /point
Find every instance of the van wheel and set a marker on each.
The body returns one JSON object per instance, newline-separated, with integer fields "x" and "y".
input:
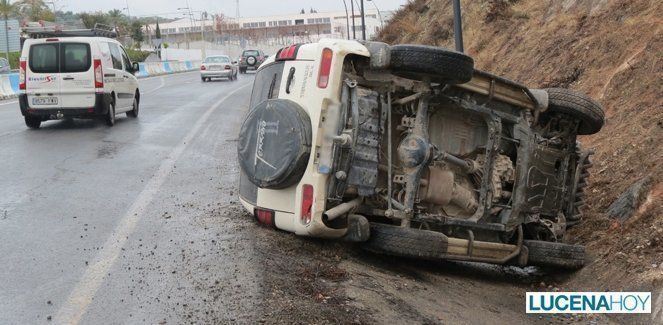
{"x": 557, "y": 255}
{"x": 134, "y": 112}
{"x": 578, "y": 106}
{"x": 110, "y": 116}
{"x": 32, "y": 122}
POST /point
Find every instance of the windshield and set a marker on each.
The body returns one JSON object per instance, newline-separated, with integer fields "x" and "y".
{"x": 217, "y": 59}
{"x": 250, "y": 53}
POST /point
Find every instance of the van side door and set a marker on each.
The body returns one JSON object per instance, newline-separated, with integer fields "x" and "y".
{"x": 118, "y": 82}
{"x": 129, "y": 77}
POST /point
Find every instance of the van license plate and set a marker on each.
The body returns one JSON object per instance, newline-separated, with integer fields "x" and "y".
{"x": 44, "y": 101}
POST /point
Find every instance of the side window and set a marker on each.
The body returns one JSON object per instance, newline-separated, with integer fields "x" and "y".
{"x": 105, "y": 54}
{"x": 116, "y": 56}
{"x": 125, "y": 59}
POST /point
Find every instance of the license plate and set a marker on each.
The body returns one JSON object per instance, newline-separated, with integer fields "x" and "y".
{"x": 44, "y": 101}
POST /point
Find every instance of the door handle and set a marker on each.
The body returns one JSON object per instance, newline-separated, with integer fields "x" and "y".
{"x": 68, "y": 78}
{"x": 125, "y": 77}
{"x": 109, "y": 75}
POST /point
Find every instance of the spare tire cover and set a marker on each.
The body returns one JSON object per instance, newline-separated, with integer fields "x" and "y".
{"x": 274, "y": 144}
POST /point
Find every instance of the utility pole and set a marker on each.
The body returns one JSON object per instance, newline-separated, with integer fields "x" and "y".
{"x": 352, "y": 10}
{"x": 347, "y": 19}
{"x": 203, "y": 19}
{"x": 458, "y": 26}
{"x": 363, "y": 22}
{"x": 237, "y": 8}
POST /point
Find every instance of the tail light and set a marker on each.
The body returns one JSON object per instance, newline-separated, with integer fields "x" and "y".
{"x": 227, "y": 67}
{"x": 307, "y": 204}
{"x": 287, "y": 53}
{"x": 22, "y": 74}
{"x": 264, "y": 216}
{"x": 98, "y": 74}
{"x": 325, "y": 67}
{"x": 202, "y": 67}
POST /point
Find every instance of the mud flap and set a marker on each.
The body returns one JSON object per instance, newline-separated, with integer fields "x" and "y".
{"x": 358, "y": 229}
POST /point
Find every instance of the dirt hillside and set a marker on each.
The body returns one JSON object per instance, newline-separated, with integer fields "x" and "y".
{"x": 611, "y": 50}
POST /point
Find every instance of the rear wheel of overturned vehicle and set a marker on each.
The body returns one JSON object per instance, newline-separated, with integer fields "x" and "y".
{"x": 134, "y": 111}
{"x": 406, "y": 242}
{"x": 110, "y": 115}
{"x": 430, "y": 63}
{"x": 556, "y": 255}
{"x": 32, "y": 122}
{"x": 578, "y": 106}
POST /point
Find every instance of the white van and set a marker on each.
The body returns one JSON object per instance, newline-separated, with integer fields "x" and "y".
{"x": 65, "y": 76}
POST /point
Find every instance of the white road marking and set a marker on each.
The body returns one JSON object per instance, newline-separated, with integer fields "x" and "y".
{"x": 163, "y": 83}
{"x": 81, "y": 296}
{"x": 7, "y": 103}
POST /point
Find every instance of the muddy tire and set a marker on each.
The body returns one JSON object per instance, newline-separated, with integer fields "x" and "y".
{"x": 420, "y": 62}
{"x": 406, "y": 242}
{"x": 557, "y": 255}
{"x": 588, "y": 111}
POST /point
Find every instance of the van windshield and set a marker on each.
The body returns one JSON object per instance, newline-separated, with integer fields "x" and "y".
{"x": 59, "y": 57}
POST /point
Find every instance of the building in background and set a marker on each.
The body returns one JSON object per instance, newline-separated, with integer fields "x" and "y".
{"x": 272, "y": 30}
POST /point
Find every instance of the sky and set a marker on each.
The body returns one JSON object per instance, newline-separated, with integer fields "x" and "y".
{"x": 248, "y": 8}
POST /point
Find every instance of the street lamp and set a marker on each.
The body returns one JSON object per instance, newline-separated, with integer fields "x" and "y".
{"x": 347, "y": 19}
{"x": 379, "y": 15}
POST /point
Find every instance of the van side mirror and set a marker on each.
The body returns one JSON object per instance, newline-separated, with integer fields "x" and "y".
{"x": 234, "y": 62}
{"x": 135, "y": 67}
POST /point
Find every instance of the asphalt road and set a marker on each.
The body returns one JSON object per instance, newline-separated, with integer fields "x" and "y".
{"x": 91, "y": 222}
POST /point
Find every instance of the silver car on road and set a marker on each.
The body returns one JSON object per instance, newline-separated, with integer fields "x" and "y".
{"x": 218, "y": 66}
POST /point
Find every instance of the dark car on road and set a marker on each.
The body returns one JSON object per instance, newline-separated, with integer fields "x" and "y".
{"x": 251, "y": 60}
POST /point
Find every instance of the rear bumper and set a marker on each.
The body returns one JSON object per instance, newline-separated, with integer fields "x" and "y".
{"x": 216, "y": 73}
{"x": 249, "y": 67}
{"x": 100, "y": 108}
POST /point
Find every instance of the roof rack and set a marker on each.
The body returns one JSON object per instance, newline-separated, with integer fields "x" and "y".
{"x": 99, "y": 30}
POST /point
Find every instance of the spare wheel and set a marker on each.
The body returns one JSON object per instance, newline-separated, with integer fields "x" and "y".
{"x": 251, "y": 60}
{"x": 275, "y": 144}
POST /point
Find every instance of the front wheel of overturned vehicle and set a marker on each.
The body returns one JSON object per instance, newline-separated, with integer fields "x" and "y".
{"x": 434, "y": 64}
{"x": 406, "y": 242}
{"x": 557, "y": 255}
{"x": 578, "y": 106}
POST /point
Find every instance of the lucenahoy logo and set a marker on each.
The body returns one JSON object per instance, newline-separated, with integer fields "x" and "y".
{"x": 588, "y": 302}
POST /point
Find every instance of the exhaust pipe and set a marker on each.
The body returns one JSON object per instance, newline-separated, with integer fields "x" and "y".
{"x": 342, "y": 208}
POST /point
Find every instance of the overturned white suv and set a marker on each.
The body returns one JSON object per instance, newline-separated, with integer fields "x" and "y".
{"x": 412, "y": 152}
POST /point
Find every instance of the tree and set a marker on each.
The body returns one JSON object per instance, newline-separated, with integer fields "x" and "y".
{"x": 136, "y": 32}
{"x": 6, "y": 10}
{"x": 157, "y": 32}
{"x": 116, "y": 17}
{"x": 91, "y": 19}
{"x": 35, "y": 10}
